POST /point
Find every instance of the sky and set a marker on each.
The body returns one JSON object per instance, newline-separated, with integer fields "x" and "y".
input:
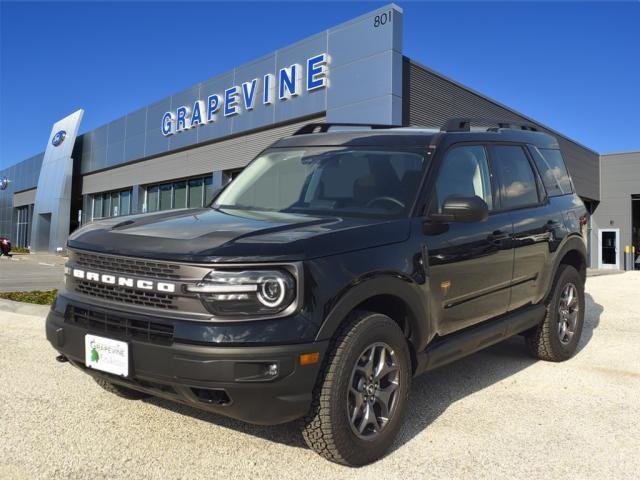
{"x": 572, "y": 66}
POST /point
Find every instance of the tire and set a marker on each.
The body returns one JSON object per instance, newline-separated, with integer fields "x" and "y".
{"x": 121, "y": 391}
{"x": 544, "y": 341}
{"x": 328, "y": 428}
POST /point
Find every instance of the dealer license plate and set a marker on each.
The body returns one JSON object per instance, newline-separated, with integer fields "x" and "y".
{"x": 111, "y": 356}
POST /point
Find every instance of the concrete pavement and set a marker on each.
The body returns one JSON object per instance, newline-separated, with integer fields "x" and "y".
{"x": 496, "y": 414}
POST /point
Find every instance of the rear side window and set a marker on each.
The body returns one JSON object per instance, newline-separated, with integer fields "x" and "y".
{"x": 517, "y": 181}
{"x": 553, "y": 171}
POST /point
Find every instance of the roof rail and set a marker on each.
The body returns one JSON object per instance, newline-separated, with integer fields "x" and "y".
{"x": 323, "y": 127}
{"x": 464, "y": 124}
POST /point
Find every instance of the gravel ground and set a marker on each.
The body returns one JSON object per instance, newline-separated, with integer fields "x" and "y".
{"x": 496, "y": 414}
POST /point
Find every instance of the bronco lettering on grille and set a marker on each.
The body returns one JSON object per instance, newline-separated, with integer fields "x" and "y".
{"x": 129, "y": 282}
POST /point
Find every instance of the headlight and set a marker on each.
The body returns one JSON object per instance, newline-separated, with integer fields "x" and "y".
{"x": 247, "y": 292}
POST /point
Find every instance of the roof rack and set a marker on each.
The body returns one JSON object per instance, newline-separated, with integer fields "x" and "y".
{"x": 325, "y": 126}
{"x": 464, "y": 124}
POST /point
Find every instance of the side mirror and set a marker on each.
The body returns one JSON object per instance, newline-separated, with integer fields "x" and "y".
{"x": 462, "y": 209}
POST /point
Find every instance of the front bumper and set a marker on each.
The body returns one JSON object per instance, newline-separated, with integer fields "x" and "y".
{"x": 229, "y": 380}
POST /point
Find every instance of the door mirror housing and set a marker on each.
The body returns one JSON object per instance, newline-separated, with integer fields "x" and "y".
{"x": 462, "y": 209}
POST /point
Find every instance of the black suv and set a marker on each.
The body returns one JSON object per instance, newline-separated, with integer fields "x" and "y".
{"x": 342, "y": 261}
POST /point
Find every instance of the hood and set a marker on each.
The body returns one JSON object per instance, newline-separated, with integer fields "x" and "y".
{"x": 208, "y": 235}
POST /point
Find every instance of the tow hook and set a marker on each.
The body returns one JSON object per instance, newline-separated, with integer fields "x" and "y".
{"x": 62, "y": 359}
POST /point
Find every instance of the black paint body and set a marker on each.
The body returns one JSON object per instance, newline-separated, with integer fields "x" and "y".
{"x": 442, "y": 278}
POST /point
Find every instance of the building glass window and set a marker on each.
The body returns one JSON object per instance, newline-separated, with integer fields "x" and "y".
{"x": 23, "y": 224}
{"x": 125, "y": 202}
{"x": 180, "y": 194}
{"x": 106, "y": 205}
{"x": 191, "y": 193}
{"x": 165, "y": 197}
{"x": 115, "y": 204}
{"x": 111, "y": 204}
{"x": 152, "y": 198}
{"x": 195, "y": 193}
{"x": 208, "y": 190}
{"x": 97, "y": 206}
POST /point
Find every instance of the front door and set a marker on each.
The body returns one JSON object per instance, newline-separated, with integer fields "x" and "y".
{"x": 470, "y": 264}
{"x": 608, "y": 248}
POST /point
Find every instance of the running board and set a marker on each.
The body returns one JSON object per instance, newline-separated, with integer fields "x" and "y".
{"x": 460, "y": 344}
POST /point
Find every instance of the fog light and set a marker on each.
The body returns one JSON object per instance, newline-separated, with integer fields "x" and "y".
{"x": 272, "y": 370}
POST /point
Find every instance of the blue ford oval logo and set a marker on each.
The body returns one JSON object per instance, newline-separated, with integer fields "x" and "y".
{"x": 58, "y": 138}
{"x": 4, "y": 183}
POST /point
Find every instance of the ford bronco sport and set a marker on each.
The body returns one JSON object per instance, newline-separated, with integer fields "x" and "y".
{"x": 342, "y": 262}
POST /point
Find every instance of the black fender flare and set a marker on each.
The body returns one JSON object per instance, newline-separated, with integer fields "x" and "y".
{"x": 403, "y": 288}
{"x": 571, "y": 243}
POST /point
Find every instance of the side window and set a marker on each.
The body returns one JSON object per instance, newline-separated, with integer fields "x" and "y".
{"x": 517, "y": 181}
{"x": 464, "y": 172}
{"x": 553, "y": 171}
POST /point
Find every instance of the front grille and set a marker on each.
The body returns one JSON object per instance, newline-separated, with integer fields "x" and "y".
{"x": 131, "y": 296}
{"x": 123, "y": 265}
{"x": 118, "y": 326}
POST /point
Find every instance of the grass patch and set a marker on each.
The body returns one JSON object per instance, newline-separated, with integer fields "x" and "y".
{"x": 20, "y": 250}
{"x": 37, "y": 297}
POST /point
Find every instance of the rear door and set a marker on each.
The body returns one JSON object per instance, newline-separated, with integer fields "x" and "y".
{"x": 537, "y": 224}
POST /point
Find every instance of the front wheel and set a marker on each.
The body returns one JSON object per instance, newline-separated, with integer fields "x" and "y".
{"x": 361, "y": 394}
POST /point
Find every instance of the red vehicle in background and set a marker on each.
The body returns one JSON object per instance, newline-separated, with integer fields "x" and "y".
{"x": 5, "y": 247}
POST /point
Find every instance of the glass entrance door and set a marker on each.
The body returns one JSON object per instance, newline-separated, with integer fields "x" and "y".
{"x": 609, "y": 248}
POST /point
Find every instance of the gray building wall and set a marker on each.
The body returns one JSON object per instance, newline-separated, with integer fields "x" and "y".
{"x": 222, "y": 155}
{"x": 431, "y": 99}
{"x": 619, "y": 180}
{"x": 364, "y": 78}
{"x": 22, "y": 176}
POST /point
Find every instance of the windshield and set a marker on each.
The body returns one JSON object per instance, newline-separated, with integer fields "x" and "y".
{"x": 332, "y": 181}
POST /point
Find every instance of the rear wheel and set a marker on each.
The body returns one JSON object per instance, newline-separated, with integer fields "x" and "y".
{"x": 361, "y": 394}
{"x": 556, "y": 338}
{"x": 121, "y": 391}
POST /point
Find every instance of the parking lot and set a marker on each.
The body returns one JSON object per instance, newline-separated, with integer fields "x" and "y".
{"x": 31, "y": 272}
{"x": 496, "y": 414}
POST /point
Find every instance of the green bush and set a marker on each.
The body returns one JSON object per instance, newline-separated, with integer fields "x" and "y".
{"x": 37, "y": 296}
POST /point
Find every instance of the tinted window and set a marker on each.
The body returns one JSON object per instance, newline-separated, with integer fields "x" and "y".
{"x": 515, "y": 176}
{"x": 554, "y": 173}
{"x": 465, "y": 172}
{"x": 152, "y": 199}
{"x": 195, "y": 193}
{"x": 125, "y": 202}
{"x": 327, "y": 180}
{"x": 180, "y": 195}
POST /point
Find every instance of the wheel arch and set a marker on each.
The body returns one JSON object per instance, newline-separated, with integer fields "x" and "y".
{"x": 397, "y": 297}
{"x": 572, "y": 252}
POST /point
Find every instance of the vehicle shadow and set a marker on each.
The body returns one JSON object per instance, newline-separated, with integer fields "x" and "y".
{"x": 431, "y": 393}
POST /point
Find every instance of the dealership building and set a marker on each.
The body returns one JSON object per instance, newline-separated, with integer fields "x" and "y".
{"x": 174, "y": 153}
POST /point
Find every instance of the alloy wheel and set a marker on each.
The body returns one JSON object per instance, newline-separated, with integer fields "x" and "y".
{"x": 373, "y": 390}
{"x": 568, "y": 309}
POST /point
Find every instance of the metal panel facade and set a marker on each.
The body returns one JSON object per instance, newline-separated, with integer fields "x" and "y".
{"x": 52, "y": 210}
{"x": 619, "y": 180}
{"x": 22, "y": 176}
{"x": 28, "y": 197}
{"x": 431, "y": 99}
{"x": 223, "y": 155}
{"x": 364, "y": 83}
